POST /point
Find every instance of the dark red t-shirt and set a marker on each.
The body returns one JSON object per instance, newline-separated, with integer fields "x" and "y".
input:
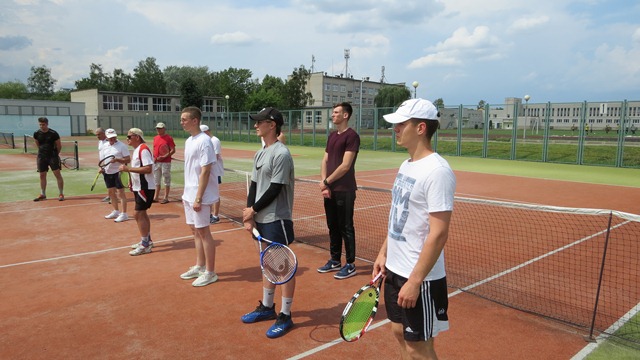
{"x": 337, "y": 145}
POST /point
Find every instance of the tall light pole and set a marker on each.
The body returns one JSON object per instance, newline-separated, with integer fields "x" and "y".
{"x": 225, "y": 113}
{"x": 526, "y": 102}
{"x": 415, "y": 88}
{"x": 360, "y": 107}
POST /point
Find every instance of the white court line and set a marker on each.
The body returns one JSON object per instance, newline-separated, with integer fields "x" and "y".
{"x": 466, "y": 288}
{"x": 105, "y": 250}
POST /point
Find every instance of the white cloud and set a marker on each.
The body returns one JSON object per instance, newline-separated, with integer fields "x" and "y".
{"x": 528, "y": 23}
{"x": 237, "y": 37}
{"x": 636, "y": 36}
{"x": 462, "y": 47}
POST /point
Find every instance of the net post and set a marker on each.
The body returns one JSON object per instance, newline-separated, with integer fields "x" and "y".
{"x": 13, "y": 141}
{"x": 24, "y": 143}
{"x": 604, "y": 257}
{"x": 75, "y": 154}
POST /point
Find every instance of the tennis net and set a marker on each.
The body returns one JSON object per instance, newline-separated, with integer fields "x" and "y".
{"x": 7, "y": 140}
{"x": 68, "y": 155}
{"x": 577, "y": 266}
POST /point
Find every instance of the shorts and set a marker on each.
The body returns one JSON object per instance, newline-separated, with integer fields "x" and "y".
{"x": 143, "y": 199}
{"x": 162, "y": 171}
{"x": 279, "y": 231}
{"x": 113, "y": 181}
{"x": 198, "y": 219}
{"x": 427, "y": 318}
{"x": 44, "y": 163}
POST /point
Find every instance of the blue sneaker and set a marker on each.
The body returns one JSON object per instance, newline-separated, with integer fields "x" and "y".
{"x": 261, "y": 313}
{"x": 331, "y": 265}
{"x": 347, "y": 271}
{"x": 282, "y": 326}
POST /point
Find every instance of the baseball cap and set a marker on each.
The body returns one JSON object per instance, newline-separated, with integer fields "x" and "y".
{"x": 413, "y": 109}
{"x": 160, "y": 125}
{"x": 138, "y": 132}
{"x": 204, "y": 128}
{"x": 110, "y": 133}
{"x": 269, "y": 113}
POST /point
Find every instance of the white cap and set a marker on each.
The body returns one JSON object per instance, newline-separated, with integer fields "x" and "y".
{"x": 204, "y": 128}
{"x": 110, "y": 133}
{"x": 413, "y": 109}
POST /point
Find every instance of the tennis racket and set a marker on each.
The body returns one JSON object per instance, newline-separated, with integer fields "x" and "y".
{"x": 360, "y": 311}
{"x": 278, "y": 262}
{"x": 102, "y": 164}
{"x": 70, "y": 163}
{"x": 164, "y": 151}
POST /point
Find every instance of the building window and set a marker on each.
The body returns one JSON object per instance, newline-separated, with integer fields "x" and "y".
{"x": 343, "y": 88}
{"x": 335, "y": 99}
{"x": 336, "y": 87}
{"x": 327, "y": 98}
{"x": 138, "y": 103}
{"x": 327, "y": 87}
{"x": 342, "y": 99}
{"x": 307, "y": 116}
{"x": 318, "y": 117}
{"x": 112, "y": 102}
{"x": 208, "y": 106}
{"x": 162, "y": 104}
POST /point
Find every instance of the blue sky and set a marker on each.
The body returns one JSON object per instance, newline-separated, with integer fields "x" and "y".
{"x": 460, "y": 50}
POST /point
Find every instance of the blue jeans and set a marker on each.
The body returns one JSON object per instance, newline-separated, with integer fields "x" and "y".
{"x": 339, "y": 211}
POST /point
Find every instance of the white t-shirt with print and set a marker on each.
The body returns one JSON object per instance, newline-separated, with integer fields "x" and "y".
{"x": 198, "y": 152}
{"x": 421, "y": 187}
{"x": 119, "y": 150}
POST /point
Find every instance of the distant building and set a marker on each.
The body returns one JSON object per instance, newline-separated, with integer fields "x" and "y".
{"x": 117, "y": 109}
{"x": 328, "y": 90}
{"x": 20, "y": 117}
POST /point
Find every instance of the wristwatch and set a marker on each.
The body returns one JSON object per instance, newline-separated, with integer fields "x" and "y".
{"x": 325, "y": 182}
{"x": 198, "y": 201}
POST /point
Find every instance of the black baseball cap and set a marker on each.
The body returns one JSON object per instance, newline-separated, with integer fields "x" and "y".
{"x": 269, "y": 113}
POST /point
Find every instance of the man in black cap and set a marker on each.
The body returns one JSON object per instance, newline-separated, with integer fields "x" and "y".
{"x": 269, "y": 210}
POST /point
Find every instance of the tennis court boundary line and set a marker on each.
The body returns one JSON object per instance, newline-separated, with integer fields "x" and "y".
{"x": 104, "y": 250}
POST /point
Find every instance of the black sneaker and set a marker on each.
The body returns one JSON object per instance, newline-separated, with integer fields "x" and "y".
{"x": 347, "y": 271}
{"x": 282, "y": 326}
{"x": 329, "y": 266}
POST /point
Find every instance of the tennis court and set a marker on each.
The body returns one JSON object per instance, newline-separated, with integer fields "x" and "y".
{"x": 70, "y": 289}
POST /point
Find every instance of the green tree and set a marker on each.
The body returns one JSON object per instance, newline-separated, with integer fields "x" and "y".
{"x": 13, "y": 90}
{"x": 40, "y": 81}
{"x": 481, "y": 104}
{"x": 97, "y": 79}
{"x": 191, "y": 93}
{"x": 236, "y": 83}
{"x": 294, "y": 89}
{"x": 175, "y": 75}
{"x": 121, "y": 81}
{"x": 391, "y": 96}
{"x": 60, "y": 95}
{"x": 439, "y": 103}
{"x": 268, "y": 93}
{"x": 148, "y": 78}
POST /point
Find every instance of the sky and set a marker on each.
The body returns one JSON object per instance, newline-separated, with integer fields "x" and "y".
{"x": 462, "y": 51}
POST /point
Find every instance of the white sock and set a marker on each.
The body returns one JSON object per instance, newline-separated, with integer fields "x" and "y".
{"x": 286, "y": 305}
{"x": 267, "y": 297}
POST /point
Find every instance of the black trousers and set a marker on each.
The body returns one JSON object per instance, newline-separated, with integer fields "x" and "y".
{"x": 339, "y": 211}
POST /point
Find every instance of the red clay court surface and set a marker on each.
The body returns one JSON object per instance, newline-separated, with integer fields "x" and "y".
{"x": 70, "y": 290}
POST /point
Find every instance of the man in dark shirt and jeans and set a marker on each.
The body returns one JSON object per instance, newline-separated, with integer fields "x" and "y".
{"x": 338, "y": 188}
{"x": 49, "y": 147}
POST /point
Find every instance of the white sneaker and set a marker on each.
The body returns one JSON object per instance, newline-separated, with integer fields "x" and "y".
{"x": 114, "y": 214}
{"x": 193, "y": 272}
{"x": 122, "y": 217}
{"x": 140, "y": 243}
{"x": 140, "y": 250}
{"x": 205, "y": 278}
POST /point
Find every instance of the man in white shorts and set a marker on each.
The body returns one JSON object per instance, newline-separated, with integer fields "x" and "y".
{"x": 200, "y": 192}
{"x": 412, "y": 258}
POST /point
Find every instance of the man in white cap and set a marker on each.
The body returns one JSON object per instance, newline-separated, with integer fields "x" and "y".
{"x": 412, "y": 257}
{"x": 163, "y": 148}
{"x": 218, "y": 170}
{"x": 112, "y": 175}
